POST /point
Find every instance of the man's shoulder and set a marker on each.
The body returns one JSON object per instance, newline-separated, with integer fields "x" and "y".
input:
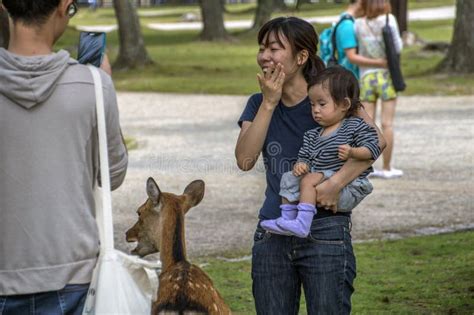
{"x": 346, "y": 34}
{"x": 346, "y": 23}
{"x": 345, "y": 29}
{"x": 78, "y": 73}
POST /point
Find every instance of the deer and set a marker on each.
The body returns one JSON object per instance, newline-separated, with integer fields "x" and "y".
{"x": 184, "y": 288}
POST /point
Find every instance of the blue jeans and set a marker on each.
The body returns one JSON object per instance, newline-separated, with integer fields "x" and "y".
{"x": 69, "y": 300}
{"x": 323, "y": 263}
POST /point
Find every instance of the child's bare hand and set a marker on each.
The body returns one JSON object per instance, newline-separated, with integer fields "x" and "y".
{"x": 300, "y": 168}
{"x": 344, "y": 151}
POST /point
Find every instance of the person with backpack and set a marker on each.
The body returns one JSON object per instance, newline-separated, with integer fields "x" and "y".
{"x": 343, "y": 36}
{"x": 376, "y": 82}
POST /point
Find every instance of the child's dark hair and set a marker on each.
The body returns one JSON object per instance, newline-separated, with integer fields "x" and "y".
{"x": 301, "y": 35}
{"x": 340, "y": 83}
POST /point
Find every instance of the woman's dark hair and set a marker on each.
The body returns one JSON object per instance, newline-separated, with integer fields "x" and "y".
{"x": 340, "y": 83}
{"x": 301, "y": 35}
{"x": 30, "y": 12}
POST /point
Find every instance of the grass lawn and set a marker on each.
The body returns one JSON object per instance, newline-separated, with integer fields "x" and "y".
{"x": 183, "y": 64}
{"x": 421, "y": 275}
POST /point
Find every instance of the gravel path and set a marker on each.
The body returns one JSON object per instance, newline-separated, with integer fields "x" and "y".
{"x": 186, "y": 137}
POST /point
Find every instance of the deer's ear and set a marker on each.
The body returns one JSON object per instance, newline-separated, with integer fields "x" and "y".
{"x": 194, "y": 193}
{"x": 153, "y": 191}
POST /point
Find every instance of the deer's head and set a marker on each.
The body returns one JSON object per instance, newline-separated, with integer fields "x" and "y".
{"x": 148, "y": 230}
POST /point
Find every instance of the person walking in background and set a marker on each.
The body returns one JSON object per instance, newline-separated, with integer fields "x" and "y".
{"x": 376, "y": 82}
{"x": 273, "y": 123}
{"x": 49, "y": 164}
{"x": 346, "y": 41}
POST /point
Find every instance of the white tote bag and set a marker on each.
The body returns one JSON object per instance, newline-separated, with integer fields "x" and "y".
{"x": 121, "y": 283}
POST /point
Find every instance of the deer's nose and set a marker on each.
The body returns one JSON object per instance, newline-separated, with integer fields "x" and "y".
{"x": 130, "y": 237}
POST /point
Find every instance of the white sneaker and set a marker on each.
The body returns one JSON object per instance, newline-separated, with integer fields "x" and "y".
{"x": 393, "y": 173}
{"x": 396, "y": 172}
{"x": 376, "y": 173}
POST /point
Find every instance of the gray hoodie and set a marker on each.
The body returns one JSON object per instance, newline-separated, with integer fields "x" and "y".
{"x": 48, "y": 166}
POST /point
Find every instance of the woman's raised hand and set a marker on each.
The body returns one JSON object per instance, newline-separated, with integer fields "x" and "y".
{"x": 271, "y": 84}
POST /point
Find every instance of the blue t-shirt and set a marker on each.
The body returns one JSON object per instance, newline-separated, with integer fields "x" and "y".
{"x": 345, "y": 39}
{"x": 281, "y": 146}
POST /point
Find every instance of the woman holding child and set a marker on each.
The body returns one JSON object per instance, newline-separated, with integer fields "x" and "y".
{"x": 274, "y": 123}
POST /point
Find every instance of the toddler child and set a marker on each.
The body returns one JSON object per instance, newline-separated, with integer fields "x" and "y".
{"x": 334, "y": 96}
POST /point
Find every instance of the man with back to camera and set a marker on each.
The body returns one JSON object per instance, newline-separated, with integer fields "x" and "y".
{"x": 49, "y": 164}
{"x": 346, "y": 42}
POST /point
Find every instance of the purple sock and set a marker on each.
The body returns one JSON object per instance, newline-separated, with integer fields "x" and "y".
{"x": 271, "y": 226}
{"x": 288, "y": 211}
{"x": 302, "y": 224}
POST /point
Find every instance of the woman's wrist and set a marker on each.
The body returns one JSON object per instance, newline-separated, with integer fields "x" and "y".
{"x": 335, "y": 183}
{"x": 269, "y": 104}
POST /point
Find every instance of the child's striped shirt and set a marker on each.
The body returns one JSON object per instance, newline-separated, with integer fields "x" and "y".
{"x": 321, "y": 152}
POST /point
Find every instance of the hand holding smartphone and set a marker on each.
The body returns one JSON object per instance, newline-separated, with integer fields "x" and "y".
{"x": 91, "y": 48}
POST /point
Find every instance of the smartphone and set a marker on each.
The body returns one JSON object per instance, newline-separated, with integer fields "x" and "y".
{"x": 91, "y": 48}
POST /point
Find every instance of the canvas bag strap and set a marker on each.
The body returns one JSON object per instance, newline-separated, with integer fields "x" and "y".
{"x": 104, "y": 213}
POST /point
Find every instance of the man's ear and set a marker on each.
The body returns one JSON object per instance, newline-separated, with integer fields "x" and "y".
{"x": 63, "y": 7}
{"x": 302, "y": 57}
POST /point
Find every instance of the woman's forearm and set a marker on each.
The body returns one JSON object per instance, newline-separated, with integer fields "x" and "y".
{"x": 328, "y": 191}
{"x": 361, "y": 153}
{"x": 360, "y": 60}
{"x": 252, "y": 137}
{"x": 350, "y": 171}
{"x": 361, "y": 113}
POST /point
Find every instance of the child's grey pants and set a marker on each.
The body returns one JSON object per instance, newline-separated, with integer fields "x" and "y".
{"x": 349, "y": 197}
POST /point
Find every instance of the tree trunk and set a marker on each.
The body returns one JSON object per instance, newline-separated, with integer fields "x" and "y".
{"x": 263, "y": 13}
{"x": 280, "y": 5}
{"x": 461, "y": 51}
{"x": 400, "y": 11}
{"x": 212, "y": 12}
{"x": 299, "y": 3}
{"x": 4, "y": 29}
{"x": 132, "y": 53}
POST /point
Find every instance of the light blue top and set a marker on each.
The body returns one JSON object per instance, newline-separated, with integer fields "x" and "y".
{"x": 345, "y": 39}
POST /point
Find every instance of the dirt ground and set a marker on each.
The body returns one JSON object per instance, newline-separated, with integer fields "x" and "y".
{"x": 186, "y": 137}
